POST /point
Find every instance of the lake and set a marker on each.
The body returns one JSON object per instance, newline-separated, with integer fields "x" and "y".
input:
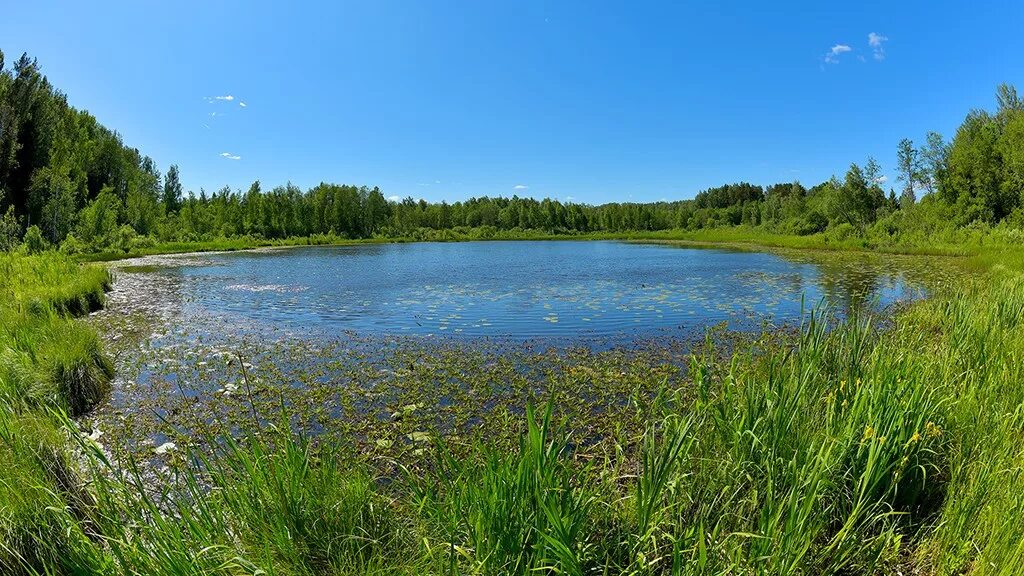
{"x": 577, "y": 290}
{"x": 464, "y": 332}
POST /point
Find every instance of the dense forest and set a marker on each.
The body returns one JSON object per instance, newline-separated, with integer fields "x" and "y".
{"x": 67, "y": 181}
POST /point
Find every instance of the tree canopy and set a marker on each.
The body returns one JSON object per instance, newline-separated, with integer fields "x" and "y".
{"x": 70, "y": 180}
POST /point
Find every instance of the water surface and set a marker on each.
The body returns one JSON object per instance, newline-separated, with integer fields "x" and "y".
{"x": 520, "y": 290}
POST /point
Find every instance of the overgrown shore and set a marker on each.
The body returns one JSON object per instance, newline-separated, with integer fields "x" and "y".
{"x": 855, "y": 451}
{"x": 737, "y": 237}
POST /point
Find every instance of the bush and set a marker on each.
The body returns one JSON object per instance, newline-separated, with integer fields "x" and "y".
{"x": 141, "y": 243}
{"x": 841, "y": 232}
{"x": 813, "y": 223}
{"x": 34, "y": 241}
{"x": 123, "y": 238}
{"x": 72, "y": 245}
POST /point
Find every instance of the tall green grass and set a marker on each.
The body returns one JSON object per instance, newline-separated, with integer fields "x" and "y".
{"x": 856, "y": 451}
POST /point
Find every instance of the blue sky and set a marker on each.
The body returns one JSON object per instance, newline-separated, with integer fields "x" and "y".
{"x": 591, "y": 101}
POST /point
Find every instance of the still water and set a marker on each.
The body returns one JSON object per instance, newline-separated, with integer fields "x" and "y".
{"x": 521, "y": 290}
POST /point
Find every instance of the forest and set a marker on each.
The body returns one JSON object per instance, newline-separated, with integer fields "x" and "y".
{"x": 68, "y": 182}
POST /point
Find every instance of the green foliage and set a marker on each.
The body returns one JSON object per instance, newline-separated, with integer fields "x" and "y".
{"x": 34, "y": 241}
{"x": 97, "y": 222}
{"x": 65, "y": 173}
{"x": 72, "y": 246}
{"x": 10, "y": 231}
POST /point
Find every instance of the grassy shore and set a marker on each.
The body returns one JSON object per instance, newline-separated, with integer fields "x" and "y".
{"x": 742, "y": 237}
{"x": 855, "y": 451}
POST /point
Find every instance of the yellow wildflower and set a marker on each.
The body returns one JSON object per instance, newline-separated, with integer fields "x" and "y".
{"x": 869, "y": 433}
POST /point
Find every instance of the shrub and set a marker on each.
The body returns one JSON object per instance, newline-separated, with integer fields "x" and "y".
{"x": 34, "y": 241}
{"x": 72, "y": 245}
{"x": 141, "y": 243}
{"x": 841, "y": 232}
{"x": 123, "y": 238}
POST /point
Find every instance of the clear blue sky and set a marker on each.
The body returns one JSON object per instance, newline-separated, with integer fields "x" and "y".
{"x": 594, "y": 101}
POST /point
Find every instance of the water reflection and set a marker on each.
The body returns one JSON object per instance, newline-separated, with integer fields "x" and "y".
{"x": 513, "y": 290}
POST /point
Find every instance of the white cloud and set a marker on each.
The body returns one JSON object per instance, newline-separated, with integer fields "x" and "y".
{"x": 832, "y": 57}
{"x": 875, "y": 40}
{"x": 227, "y": 98}
{"x": 520, "y": 187}
{"x": 230, "y": 156}
{"x": 570, "y": 198}
{"x": 882, "y": 179}
{"x": 394, "y": 198}
{"x": 242, "y": 104}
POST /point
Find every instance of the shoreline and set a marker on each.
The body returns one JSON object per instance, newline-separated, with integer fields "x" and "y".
{"x": 736, "y": 238}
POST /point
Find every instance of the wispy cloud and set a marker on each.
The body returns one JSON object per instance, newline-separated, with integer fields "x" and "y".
{"x": 394, "y": 198}
{"x": 875, "y": 40}
{"x": 224, "y": 98}
{"x": 520, "y": 187}
{"x": 230, "y": 156}
{"x": 832, "y": 57}
{"x": 882, "y": 179}
{"x": 570, "y": 198}
{"x": 242, "y": 104}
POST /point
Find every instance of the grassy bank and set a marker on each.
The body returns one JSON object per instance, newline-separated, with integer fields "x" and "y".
{"x": 48, "y": 361}
{"x": 963, "y": 243}
{"x": 854, "y": 452}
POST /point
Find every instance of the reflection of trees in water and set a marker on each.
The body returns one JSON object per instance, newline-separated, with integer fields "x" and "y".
{"x": 855, "y": 283}
{"x": 156, "y": 295}
{"x": 849, "y": 288}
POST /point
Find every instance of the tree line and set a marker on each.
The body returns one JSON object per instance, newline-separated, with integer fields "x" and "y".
{"x": 67, "y": 180}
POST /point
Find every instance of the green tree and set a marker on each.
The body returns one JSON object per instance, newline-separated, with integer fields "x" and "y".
{"x": 909, "y": 163}
{"x": 974, "y": 170}
{"x": 97, "y": 222}
{"x": 172, "y": 190}
{"x": 933, "y": 155}
{"x": 9, "y": 230}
